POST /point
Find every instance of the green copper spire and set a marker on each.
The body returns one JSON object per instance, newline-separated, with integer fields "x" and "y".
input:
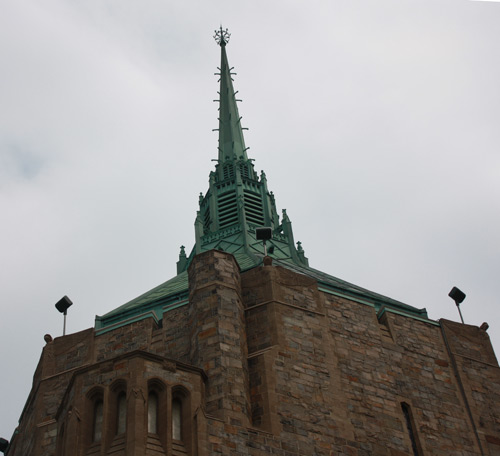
{"x": 238, "y": 201}
{"x": 231, "y": 141}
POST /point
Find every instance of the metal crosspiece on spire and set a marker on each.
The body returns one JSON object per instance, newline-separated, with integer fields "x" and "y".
{"x": 222, "y": 36}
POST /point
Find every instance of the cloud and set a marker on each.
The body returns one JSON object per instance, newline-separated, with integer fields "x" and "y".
{"x": 376, "y": 124}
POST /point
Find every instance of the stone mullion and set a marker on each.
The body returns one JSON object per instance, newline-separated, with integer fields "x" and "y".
{"x": 137, "y": 410}
{"x": 168, "y": 419}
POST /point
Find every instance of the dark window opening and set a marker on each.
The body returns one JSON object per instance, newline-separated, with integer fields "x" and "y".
{"x": 121, "y": 414}
{"x": 410, "y": 426}
{"x": 97, "y": 423}
{"x": 177, "y": 419}
{"x": 153, "y": 413}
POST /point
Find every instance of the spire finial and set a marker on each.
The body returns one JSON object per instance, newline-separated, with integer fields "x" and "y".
{"x": 222, "y": 36}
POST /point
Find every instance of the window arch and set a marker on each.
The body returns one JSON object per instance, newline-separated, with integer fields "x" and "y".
{"x": 96, "y": 415}
{"x": 121, "y": 412}
{"x": 97, "y": 420}
{"x": 155, "y": 407}
{"x": 153, "y": 412}
{"x": 181, "y": 416}
{"x": 176, "y": 418}
{"x": 118, "y": 408}
{"x": 411, "y": 428}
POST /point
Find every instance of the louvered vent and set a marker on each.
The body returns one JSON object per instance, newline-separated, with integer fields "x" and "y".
{"x": 253, "y": 208}
{"x": 228, "y": 212}
{"x": 244, "y": 170}
{"x": 228, "y": 171}
{"x": 207, "y": 221}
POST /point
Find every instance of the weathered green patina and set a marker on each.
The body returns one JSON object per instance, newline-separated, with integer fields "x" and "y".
{"x": 174, "y": 293}
{"x": 237, "y": 202}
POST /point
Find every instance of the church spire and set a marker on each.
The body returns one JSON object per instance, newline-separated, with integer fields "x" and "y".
{"x": 231, "y": 141}
{"x": 238, "y": 201}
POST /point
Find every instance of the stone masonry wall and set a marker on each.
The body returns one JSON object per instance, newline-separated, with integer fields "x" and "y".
{"x": 478, "y": 376}
{"x": 329, "y": 378}
{"x": 57, "y": 413}
{"x": 177, "y": 337}
{"x": 267, "y": 364}
{"x": 377, "y": 375}
{"x": 218, "y": 336}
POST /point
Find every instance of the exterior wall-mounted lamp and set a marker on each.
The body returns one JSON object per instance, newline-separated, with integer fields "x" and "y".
{"x": 458, "y": 296}
{"x": 264, "y": 234}
{"x": 4, "y": 444}
{"x": 62, "y": 306}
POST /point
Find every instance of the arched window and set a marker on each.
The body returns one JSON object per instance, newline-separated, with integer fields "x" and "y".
{"x": 156, "y": 416}
{"x": 94, "y": 417}
{"x": 411, "y": 428}
{"x": 121, "y": 412}
{"x": 117, "y": 411}
{"x": 97, "y": 421}
{"x": 181, "y": 418}
{"x": 153, "y": 412}
{"x": 176, "y": 419}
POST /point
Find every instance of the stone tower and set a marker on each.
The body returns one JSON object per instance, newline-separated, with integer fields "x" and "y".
{"x": 246, "y": 354}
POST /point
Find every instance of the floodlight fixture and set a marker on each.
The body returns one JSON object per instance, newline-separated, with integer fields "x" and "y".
{"x": 4, "y": 444}
{"x": 62, "y": 306}
{"x": 263, "y": 234}
{"x": 458, "y": 296}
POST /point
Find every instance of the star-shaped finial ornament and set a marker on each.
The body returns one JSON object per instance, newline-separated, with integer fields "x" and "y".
{"x": 222, "y": 36}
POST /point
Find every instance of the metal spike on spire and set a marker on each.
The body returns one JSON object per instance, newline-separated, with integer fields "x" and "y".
{"x": 222, "y": 36}
{"x": 231, "y": 142}
{"x": 237, "y": 201}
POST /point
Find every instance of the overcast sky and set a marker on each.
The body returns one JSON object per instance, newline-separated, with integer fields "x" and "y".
{"x": 377, "y": 123}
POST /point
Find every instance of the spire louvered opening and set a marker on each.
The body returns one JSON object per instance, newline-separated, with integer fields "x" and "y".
{"x": 228, "y": 171}
{"x": 244, "y": 171}
{"x": 253, "y": 208}
{"x": 207, "y": 220}
{"x": 227, "y": 208}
